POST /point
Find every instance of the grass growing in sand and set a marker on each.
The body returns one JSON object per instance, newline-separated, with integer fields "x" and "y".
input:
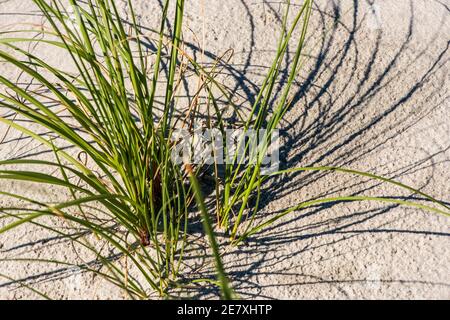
{"x": 125, "y": 187}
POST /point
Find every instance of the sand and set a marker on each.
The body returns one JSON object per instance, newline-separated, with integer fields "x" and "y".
{"x": 373, "y": 96}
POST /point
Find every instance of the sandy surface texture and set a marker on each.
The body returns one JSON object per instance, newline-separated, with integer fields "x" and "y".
{"x": 373, "y": 96}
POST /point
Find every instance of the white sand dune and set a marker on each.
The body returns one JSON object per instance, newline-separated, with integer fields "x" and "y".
{"x": 373, "y": 96}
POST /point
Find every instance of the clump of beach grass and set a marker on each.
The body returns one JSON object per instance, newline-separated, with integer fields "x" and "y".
{"x": 110, "y": 115}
